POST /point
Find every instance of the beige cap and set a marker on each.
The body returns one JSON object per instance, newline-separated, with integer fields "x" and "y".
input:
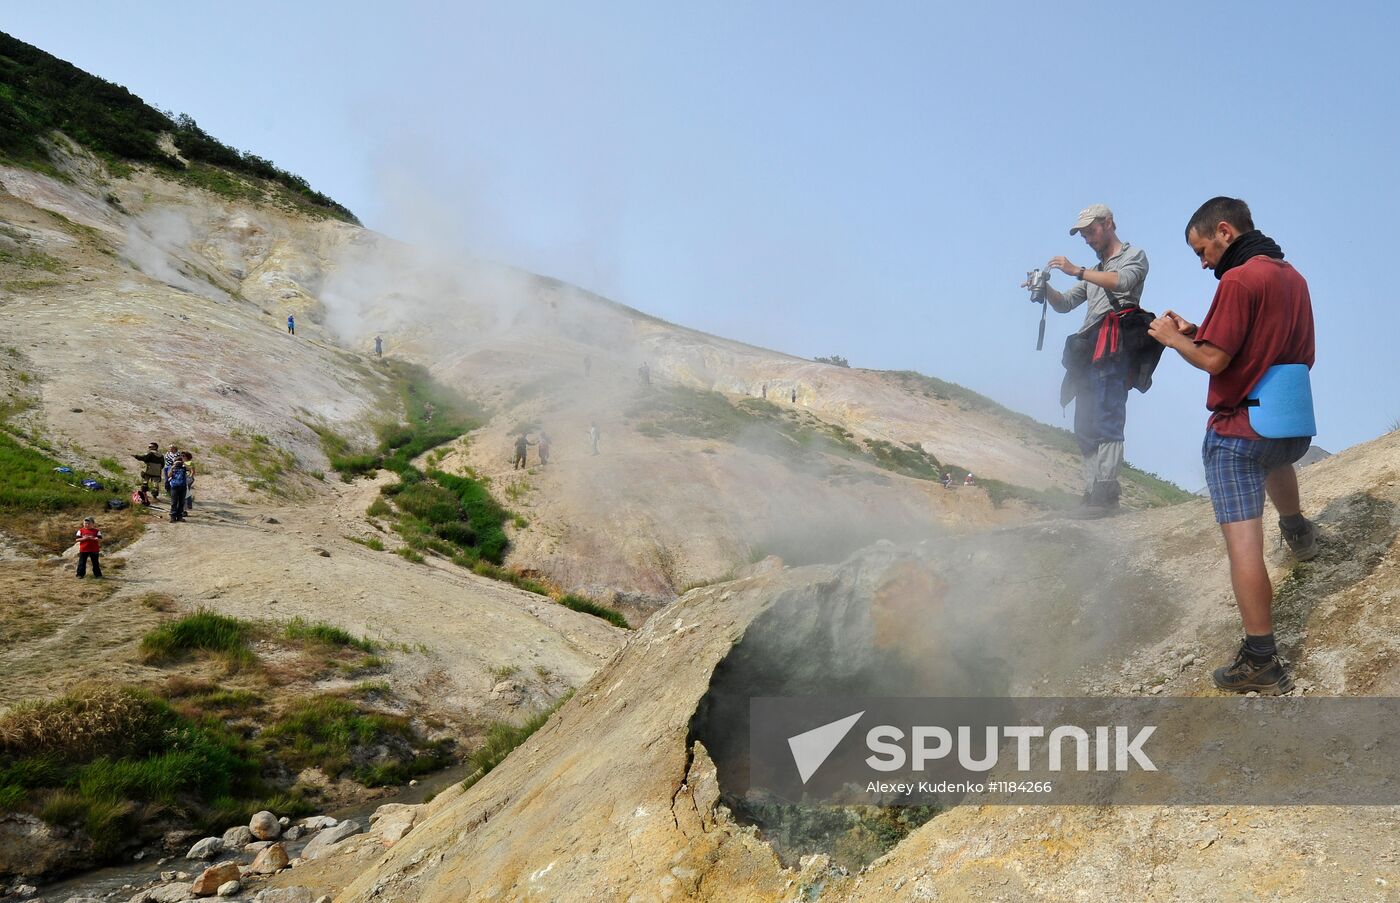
{"x": 1089, "y": 214}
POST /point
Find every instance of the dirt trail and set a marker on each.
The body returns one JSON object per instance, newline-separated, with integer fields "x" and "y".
{"x": 448, "y": 633}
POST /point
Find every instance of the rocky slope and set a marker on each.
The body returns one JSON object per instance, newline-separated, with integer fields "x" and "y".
{"x": 619, "y": 798}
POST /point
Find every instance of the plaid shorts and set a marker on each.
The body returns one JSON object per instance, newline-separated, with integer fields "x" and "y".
{"x": 1236, "y": 469}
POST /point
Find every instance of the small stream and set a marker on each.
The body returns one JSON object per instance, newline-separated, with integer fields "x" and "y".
{"x": 122, "y": 881}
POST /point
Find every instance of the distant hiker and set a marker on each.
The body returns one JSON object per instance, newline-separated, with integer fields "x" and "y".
{"x": 189, "y": 479}
{"x": 969, "y": 480}
{"x": 178, "y": 481}
{"x": 153, "y": 472}
{"x": 593, "y": 436}
{"x": 764, "y": 391}
{"x": 1109, "y": 355}
{"x": 644, "y": 371}
{"x": 543, "y": 443}
{"x": 89, "y": 548}
{"x": 947, "y": 480}
{"x": 1256, "y": 342}
{"x": 522, "y": 446}
{"x": 794, "y": 396}
{"x": 587, "y": 365}
{"x": 291, "y": 324}
{"x": 378, "y": 346}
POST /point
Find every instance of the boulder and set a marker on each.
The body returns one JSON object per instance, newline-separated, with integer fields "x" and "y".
{"x": 165, "y": 893}
{"x": 329, "y": 837}
{"x": 270, "y": 861}
{"x": 265, "y": 826}
{"x": 284, "y": 895}
{"x": 293, "y": 833}
{"x": 258, "y": 846}
{"x": 207, "y": 848}
{"x": 318, "y": 822}
{"x": 236, "y": 838}
{"x": 209, "y": 881}
{"x": 229, "y": 888}
{"x": 393, "y": 820}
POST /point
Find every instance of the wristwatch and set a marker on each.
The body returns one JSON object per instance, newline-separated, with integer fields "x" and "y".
{"x": 1081, "y": 273}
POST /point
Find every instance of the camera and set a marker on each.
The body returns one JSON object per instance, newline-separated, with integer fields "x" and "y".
{"x": 1037, "y": 281}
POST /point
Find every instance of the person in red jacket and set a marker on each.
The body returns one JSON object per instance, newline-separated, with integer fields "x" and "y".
{"x": 89, "y": 548}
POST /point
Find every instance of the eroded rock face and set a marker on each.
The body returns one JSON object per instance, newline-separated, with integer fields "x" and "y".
{"x": 619, "y": 796}
{"x": 29, "y": 846}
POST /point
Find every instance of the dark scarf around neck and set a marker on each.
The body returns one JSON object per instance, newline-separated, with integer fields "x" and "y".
{"x": 1250, "y": 244}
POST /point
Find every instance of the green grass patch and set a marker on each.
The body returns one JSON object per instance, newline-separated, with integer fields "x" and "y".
{"x": 333, "y": 734}
{"x": 598, "y": 610}
{"x": 325, "y": 634}
{"x": 503, "y": 737}
{"x": 99, "y": 759}
{"x": 31, "y": 260}
{"x": 374, "y": 542}
{"x": 264, "y": 466}
{"x": 200, "y": 632}
{"x": 496, "y": 572}
{"x": 28, "y": 481}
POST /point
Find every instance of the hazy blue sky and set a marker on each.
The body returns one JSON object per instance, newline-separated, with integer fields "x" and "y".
{"x": 871, "y": 180}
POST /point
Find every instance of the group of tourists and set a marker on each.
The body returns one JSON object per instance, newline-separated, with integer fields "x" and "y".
{"x": 542, "y": 445}
{"x": 1256, "y": 343}
{"x": 172, "y": 471}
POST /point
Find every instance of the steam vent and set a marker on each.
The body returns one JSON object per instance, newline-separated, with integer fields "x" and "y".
{"x": 637, "y": 788}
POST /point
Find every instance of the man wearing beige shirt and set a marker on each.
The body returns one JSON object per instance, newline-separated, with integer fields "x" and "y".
{"x": 1110, "y": 287}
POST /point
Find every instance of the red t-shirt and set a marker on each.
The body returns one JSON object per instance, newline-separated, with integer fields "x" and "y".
{"x": 89, "y": 539}
{"x": 1261, "y": 316}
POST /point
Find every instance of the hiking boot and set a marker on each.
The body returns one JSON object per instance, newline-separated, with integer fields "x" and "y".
{"x": 1101, "y": 501}
{"x": 1244, "y": 675}
{"x": 1303, "y": 542}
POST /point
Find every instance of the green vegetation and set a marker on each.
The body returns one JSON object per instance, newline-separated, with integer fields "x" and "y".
{"x": 374, "y": 542}
{"x": 834, "y": 359}
{"x": 109, "y": 760}
{"x": 588, "y": 606}
{"x": 40, "y": 93}
{"x": 32, "y": 260}
{"x": 326, "y": 635}
{"x": 265, "y": 465}
{"x": 910, "y": 460}
{"x": 203, "y": 631}
{"x": 501, "y": 738}
{"x": 434, "y": 415}
{"x": 329, "y": 733}
{"x": 28, "y": 481}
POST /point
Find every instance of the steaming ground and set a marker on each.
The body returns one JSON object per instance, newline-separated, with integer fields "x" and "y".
{"x": 159, "y": 312}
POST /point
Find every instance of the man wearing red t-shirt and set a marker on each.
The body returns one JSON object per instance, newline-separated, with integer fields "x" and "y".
{"x": 1261, "y": 316}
